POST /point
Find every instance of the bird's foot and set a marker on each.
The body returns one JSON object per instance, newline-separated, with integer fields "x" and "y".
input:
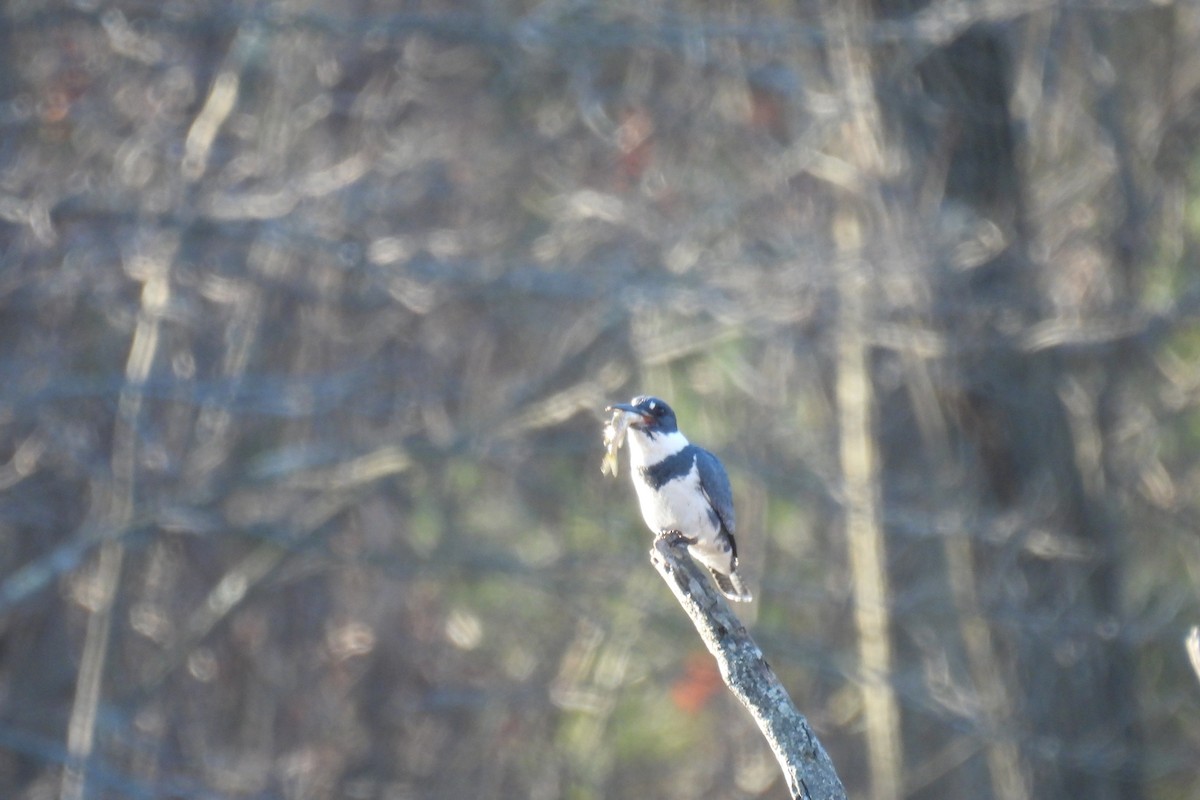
{"x": 675, "y": 538}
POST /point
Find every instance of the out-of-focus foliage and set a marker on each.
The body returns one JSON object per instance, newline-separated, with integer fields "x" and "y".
{"x": 310, "y": 309}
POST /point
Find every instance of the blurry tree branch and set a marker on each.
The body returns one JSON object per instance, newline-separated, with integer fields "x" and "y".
{"x": 118, "y": 510}
{"x": 933, "y": 26}
{"x": 1192, "y": 643}
{"x": 806, "y": 766}
{"x": 309, "y": 522}
{"x": 863, "y": 150}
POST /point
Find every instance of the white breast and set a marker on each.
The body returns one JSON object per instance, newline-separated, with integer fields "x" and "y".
{"x": 677, "y": 505}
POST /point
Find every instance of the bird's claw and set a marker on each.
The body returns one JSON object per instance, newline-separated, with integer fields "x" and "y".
{"x": 675, "y": 538}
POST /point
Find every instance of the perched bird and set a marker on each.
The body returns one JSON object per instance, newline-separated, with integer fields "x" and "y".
{"x": 683, "y": 491}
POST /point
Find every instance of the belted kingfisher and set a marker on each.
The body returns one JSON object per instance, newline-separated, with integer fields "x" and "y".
{"x": 683, "y": 491}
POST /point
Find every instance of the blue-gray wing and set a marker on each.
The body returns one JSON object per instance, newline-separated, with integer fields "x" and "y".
{"x": 715, "y": 483}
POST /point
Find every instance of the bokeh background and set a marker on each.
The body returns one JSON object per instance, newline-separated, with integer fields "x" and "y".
{"x": 309, "y": 309}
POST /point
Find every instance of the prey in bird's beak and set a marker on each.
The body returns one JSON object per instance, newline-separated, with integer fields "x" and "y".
{"x": 623, "y": 415}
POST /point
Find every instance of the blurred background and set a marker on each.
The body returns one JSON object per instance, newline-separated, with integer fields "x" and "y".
{"x": 310, "y": 309}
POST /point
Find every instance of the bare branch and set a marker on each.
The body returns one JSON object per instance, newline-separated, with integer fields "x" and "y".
{"x": 1192, "y": 644}
{"x": 806, "y": 766}
{"x": 118, "y": 511}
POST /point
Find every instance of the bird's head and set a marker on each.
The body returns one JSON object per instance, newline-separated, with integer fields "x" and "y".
{"x": 649, "y": 415}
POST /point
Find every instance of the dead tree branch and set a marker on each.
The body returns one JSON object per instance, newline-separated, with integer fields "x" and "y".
{"x": 806, "y": 766}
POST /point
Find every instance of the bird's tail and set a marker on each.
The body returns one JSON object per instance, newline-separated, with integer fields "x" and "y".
{"x": 732, "y": 586}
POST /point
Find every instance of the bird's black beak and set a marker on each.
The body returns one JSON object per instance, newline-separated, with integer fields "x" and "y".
{"x": 642, "y": 419}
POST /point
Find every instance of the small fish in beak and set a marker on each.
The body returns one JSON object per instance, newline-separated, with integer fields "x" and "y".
{"x": 614, "y": 436}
